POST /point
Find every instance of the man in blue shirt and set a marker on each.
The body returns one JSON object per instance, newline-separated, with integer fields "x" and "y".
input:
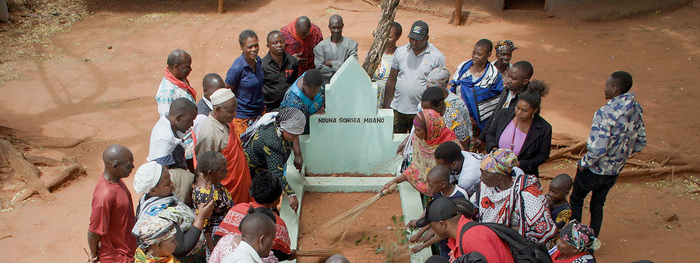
{"x": 616, "y": 133}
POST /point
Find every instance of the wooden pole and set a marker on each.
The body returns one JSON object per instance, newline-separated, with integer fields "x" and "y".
{"x": 457, "y": 15}
{"x": 381, "y": 36}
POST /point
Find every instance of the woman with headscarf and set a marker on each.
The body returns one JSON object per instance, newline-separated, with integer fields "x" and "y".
{"x": 508, "y": 196}
{"x": 522, "y": 130}
{"x": 266, "y": 189}
{"x": 504, "y": 53}
{"x": 576, "y": 244}
{"x": 429, "y": 133}
{"x": 269, "y": 144}
{"x": 456, "y": 115}
{"x": 158, "y": 242}
{"x": 154, "y": 183}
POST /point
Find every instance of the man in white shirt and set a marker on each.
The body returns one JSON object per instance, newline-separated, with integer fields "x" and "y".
{"x": 168, "y": 149}
{"x": 407, "y": 79}
{"x": 465, "y": 166}
{"x": 257, "y": 233}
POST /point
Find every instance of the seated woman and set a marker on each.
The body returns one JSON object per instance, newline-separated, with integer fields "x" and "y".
{"x": 522, "y": 130}
{"x": 508, "y": 196}
{"x": 269, "y": 144}
{"x": 576, "y": 244}
{"x": 158, "y": 242}
{"x": 430, "y": 132}
{"x": 158, "y": 200}
{"x": 266, "y": 189}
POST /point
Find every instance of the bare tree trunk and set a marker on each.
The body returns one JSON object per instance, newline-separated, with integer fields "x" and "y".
{"x": 381, "y": 36}
{"x": 457, "y": 15}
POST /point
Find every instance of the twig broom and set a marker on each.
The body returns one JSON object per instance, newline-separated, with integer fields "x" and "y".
{"x": 322, "y": 253}
{"x": 335, "y": 228}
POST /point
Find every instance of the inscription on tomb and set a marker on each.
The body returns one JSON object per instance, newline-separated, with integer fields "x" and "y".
{"x": 351, "y": 120}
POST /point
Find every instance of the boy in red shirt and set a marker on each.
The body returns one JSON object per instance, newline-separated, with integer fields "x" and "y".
{"x": 112, "y": 217}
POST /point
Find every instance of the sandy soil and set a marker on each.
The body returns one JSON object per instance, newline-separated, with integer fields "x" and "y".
{"x": 80, "y": 89}
{"x": 367, "y": 240}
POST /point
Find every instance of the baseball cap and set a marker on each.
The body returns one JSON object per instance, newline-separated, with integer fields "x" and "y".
{"x": 419, "y": 30}
{"x": 438, "y": 209}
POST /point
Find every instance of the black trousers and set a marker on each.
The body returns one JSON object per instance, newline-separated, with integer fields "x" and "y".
{"x": 584, "y": 183}
{"x": 403, "y": 122}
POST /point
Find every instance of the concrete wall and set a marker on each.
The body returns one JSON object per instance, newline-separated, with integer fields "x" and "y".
{"x": 587, "y": 10}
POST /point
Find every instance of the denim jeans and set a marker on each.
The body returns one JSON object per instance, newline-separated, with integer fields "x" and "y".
{"x": 600, "y": 185}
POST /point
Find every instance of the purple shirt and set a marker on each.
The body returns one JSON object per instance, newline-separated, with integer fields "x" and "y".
{"x": 247, "y": 85}
{"x": 512, "y": 138}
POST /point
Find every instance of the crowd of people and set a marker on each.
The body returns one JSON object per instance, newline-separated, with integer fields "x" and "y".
{"x": 215, "y": 172}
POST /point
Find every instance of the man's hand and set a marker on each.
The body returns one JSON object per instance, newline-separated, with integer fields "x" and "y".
{"x": 328, "y": 63}
{"x": 322, "y": 110}
{"x": 298, "y": 162}
{"x": 417, "y": 249}
{"x": 412, "y": 223}
{"x": 477, "y": 143}
{"x": 414, "y": 239}
{"x": 427, "y": 235}
{"x": 294, "y": 203}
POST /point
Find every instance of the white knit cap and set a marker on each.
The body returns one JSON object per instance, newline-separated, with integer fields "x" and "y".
{"x": 147, "y": 177}
{"x": 221, "y": 96}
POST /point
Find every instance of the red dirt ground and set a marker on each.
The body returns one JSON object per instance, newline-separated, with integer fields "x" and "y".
{"x": 365, "y": 234}
{"x": 80, "y": 89}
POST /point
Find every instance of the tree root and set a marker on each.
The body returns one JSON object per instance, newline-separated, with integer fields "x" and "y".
{"x": 29, "y": 173}
{"x": 642, "y": 164}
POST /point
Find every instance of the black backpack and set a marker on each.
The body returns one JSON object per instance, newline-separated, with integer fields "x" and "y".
{"x": 522, "y": 249}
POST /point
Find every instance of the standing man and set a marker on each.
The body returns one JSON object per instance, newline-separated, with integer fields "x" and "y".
{"x": 330, "y": 54}
{"x": 217, "y": 134}
{"x": 166, "y": 146}
{"x": 515, "y": 81}
{"x": 407, "y": 80}
{"x": 109, "y": 234}
{"x": 280, "y": 70}
{"x": 211, "y": 83}
{"x": 175, "y": 84}
{"x": 616, "y": 133}
{"x": 301, "y": 37}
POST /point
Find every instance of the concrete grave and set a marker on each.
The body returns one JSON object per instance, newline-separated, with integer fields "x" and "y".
{"x": 352, "y": 137}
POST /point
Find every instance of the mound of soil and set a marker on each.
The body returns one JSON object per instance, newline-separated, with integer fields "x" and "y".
{"x": 375, "y": 236}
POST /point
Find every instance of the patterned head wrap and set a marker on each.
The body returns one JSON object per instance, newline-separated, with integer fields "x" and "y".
{"x": 438, "y": 77}
{"x": 505, "y": 43}
{"x": 500, "y": 161}
{"x": 581, "y": 236}
{"x": 154, "y": 230}
{"x": 434, "y": 124}
{"x": 292, "y": 120}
